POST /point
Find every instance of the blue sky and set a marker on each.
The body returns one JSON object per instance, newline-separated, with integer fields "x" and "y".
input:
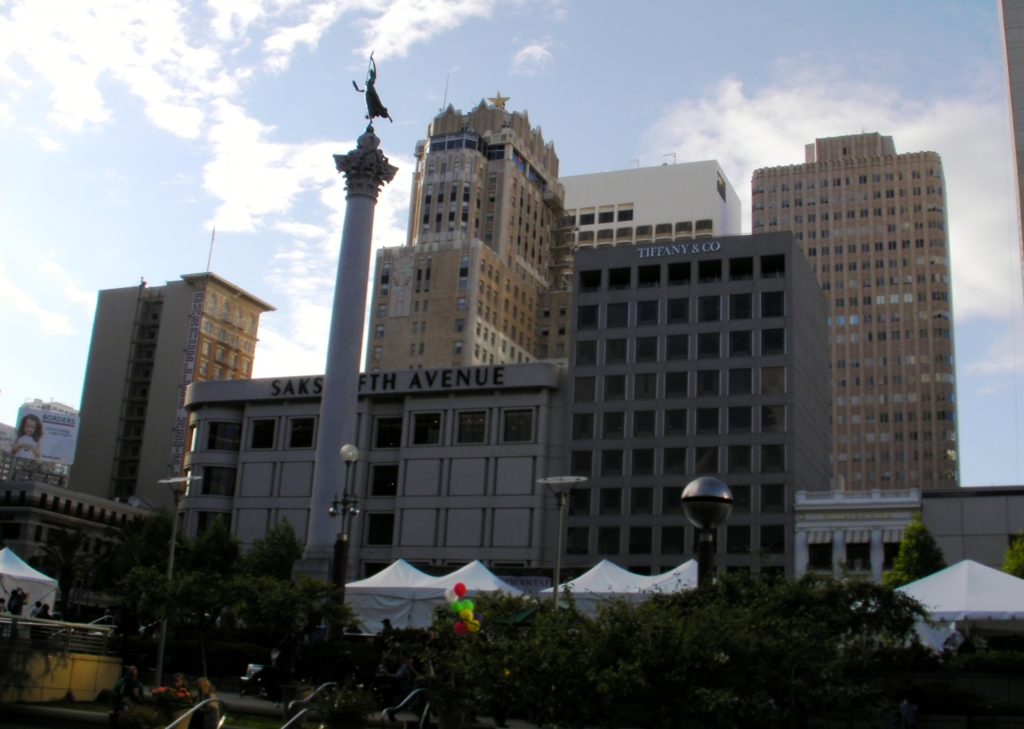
{"x": 129, "y": 129}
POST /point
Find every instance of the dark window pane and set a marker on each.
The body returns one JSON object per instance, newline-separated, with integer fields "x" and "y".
{"x": 740, "y": 343}
{"x": 590, "y": 280}
{"x": 707, "y": 382}
{"x": 615, "y": 351}
{"x": 708, "y": 345}
{"x": 708, "y": 308}
{"x": 262, "y": 433}
{"x": 773, "y": 458}
{"x": 584, "y": 389}
{"x": 643, "y": 462}
{"x": 773, "y": 418}
{"x": 773, "y": 380}
{"x": 741, "y": 381}
{"x": 580, "y": 463}
{"x": 773, "y": 538}
{"x": 641, "y": 500}
{"x": 224, "y": 436}
{"x": 576, "y": 540}
{"x": 677, "y": 346}
{"x": 671, "y": 500}
{"x": 739, "y": 419}
{"x": 645, "y": 386}
{"x": 218, "y": 481}
{"x": 582, "y": 426}
{"x": 773, "y": 341}
{"x": 678, "y": 273}
{"x": 518, "y": 426}
{"x": 739, "y": 458}
{"x": 426, "y": 429}
{"x": 610, "y": 501}
{"x": 614, "y": 387}
{"x": 673, "y": 540}
{"x": 673, "y": 460}
{"x": 737, "y": 539}
{"x": 617, "y": 315}
{"x": 646, "y": 312}
{"x": 586, "y": 353}
{"x": 380, "y": 529}
{"x": 740, "y": 498}
{"x": 619, "y": 278}
{"x": 639, "y": 540}
{"x": 675, "y": 384}
{"x": 678, "y": 311}
{"x": 607, "y": 540}
{"x": 472, "y": 427}
{"x": 675, "y": 422}
{"x": 384, "y": 480}
{"x": 646, "y": 349}
{"x": 707, "y": 421}
{"x": 301, "y": 432}
{"x": 613, "y": 425}
{"x": 579, "y": 502}
{"x": 611, "y": 462}
{"x": 773, "y": 303}
{"x": 586, "y": 317}
{"x": 773, "y": 497}
{"x": 643, "y": 423}
{"x": 389, "y": 433}
{"x": 740, "y": 306}
{"x": 706, "y": 459}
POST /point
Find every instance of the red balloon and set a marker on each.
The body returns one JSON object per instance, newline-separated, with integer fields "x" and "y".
{"x": 460, "y": 589}
{"x": 461, "y": 628}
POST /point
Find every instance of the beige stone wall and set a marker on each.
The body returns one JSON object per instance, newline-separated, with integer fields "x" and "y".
{"x": 52, "y": 677}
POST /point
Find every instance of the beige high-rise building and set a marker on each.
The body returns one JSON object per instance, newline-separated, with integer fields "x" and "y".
{"x": 148, "y": 344}
{"x": 466, "y": 287}
{"x": 1012, "y": 14}
{"x": 873, "y": 225}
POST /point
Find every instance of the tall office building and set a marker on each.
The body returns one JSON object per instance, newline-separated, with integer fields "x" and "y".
{"x": 1012, "y": 12}
{"x": 148, "y": 344}
{"x": 873, "y": 225}
{"x": 466, "y": 287}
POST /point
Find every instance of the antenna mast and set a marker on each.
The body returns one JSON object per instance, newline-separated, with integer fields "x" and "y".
{"x": 209, "y": 257}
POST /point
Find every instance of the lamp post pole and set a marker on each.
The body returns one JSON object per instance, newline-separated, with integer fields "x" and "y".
{"x": 349, "y": 455}
{"x": 179, "y": 486}
{"x": 560, "y": 486}
{"x": 707, "y": 503}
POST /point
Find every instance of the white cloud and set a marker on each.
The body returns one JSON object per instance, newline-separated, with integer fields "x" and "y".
{"x": 65, "y": 285}
{"x": 533, "y": 59}
{"x": 744, "y": 131}
{"x": 403, "y": 23}
{"x": 31, "y": 307}
{"x": 299, "y": 230}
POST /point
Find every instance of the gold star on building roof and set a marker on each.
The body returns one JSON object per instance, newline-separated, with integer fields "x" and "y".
{"x": 499, "y": 101}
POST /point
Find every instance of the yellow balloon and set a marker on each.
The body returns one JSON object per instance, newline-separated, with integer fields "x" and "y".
{"x": 474, "y": 627}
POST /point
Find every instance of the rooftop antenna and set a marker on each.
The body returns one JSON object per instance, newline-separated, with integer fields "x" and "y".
{"x": 444, "y": 103}
{"x": 672, "y": 155}
{"x": 209, "y": 257}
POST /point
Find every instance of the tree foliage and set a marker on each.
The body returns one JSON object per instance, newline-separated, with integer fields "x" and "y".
{"x": 919, "y": 556}
{"x": 743, "y": 652}
{"x": 64, "y": 558}
{"x": 1013, "y": 561}
{"x": 274, "y": 555}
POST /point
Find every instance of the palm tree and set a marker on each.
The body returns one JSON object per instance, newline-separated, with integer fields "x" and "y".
{"x": 64, "y": 557}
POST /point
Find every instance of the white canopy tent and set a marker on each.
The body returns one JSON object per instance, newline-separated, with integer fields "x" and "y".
{"x": 408, "y": 597}
{"x": 968, "y": 594}
{"x": 15, "y": 572}
{"x": 607, "y": 580}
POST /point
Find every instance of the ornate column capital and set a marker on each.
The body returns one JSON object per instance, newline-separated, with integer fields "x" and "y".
{"x": 366, "y": 168}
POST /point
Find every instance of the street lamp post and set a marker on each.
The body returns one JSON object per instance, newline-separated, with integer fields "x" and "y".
{"x": 560, "y": 486}
{"x": 707, "y": 503}
{"x": 346, "y": 507}
{"x": 179, "y": 487}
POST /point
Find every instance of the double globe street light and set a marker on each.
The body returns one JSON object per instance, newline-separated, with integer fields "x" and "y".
{"x": 344, "y": 507}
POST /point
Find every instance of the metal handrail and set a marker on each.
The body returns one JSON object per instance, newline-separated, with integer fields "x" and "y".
{"x": 389, "y": 713}
{"x": 304, "y": 702}
{"x": 193, "y": 709}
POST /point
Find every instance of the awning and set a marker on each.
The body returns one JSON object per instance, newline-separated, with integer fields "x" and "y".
{"x": 893, "y": 535}
{"x": 819, "y": 536}
{"x": 858, "y": 536}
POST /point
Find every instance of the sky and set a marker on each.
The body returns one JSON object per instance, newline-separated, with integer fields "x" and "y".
{"x": 130, "y": 130}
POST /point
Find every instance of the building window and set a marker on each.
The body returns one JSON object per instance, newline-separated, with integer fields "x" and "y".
{"x": 739, "y": 419}
{"x": 518, "y": 426}
{"x": 773, "y": 497}
{"x": 614, "y": 387}
{"x": 741, "y": 381}
{"x": 741, "y": 269}
{"x": 223, "y": 436}
{"x": 607, "y": 540}
{"x": 707, "y": 382}
{"x": 740, "y": 306}
{"x": 639, "y": 540}
{"x": 619, "y": 278}
{"x": 581, "y": 463}
{"x": 261, "y": 433}
{"x": 678, "y": 311}
{"x": 426, "y": 429}
{"x": 586, "y": 353}
{"x": 675, "y": 422}
{"x": 675, "y": 384}
{"x": 679, "y": 274}
{"x": 677, "y": 347}
{"x": 389, "y": 433}
{"x": 610, "y": 501}
{"x": 218, "y": 481}
{"x": 617, "y": 315}
{"x": 740, "y": 498}
{"x": 709, "y": 308}
{"x": 773, "y": 303}
{"x": 773, "y": 538}
{"x": 646, "y": 349}
{"x": 584, "y": 389}
{"x": 708, "y": 345}
{"x": 590, "y": 281}
{"x": 773, "y": 458}
{"x": 673, "y": 539}
{"x": 737, "y": 539}
{"x": 472, "y": 427}
{"x": 673, "y": 460}
{"x": 773, "y": 418}
{"x": 205, "y": 519}
{"x": 586, "y": 317}
{"x": 645, "y": 386}
{"x": 705, "y": 460}
{"x": 773, "y": 341}
{"x": 614, "y": 351}
{"x": 385, "y": 480}
{"x": 582, "y": 426}
{"x": 646, "y": 312}
{"x": 301, "y": 432}
{"x": 643, "y": 463}
{"x": 738, "y": 458}
{"x": 707, "y": 421}
{"x": 773, "y": 380}
{"x": 380, "y": 529}
{"x": 577, "y": 539}
{"x": 643, "y": 423}
{"x": 740, "y": 343}
{"x": 611, "y": 463}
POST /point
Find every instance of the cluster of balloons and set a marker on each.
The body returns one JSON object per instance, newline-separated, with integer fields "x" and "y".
{"x": 462, "y": 606}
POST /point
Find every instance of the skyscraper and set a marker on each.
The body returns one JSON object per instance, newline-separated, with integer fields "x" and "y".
{"x": 466, "y": 287}
{"x": 148, "y": 344}
{"x": 1012, "y": 12}
{"x": 873, "y": 225}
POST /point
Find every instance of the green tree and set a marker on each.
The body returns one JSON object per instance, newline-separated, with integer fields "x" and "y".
{"x": 275, "y": 554}
{"x": 142, "y": 541}
{"x": 1013, "y": 561}
{"x": 64, "y": 558}
{"x": 214, "y": 553}
{"x": 919, "y": 556}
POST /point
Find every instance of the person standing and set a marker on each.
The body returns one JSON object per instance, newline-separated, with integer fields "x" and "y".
{"x": 208, "y": 715}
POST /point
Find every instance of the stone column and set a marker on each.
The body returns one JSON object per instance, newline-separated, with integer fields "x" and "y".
{"x": 838, "y": 552}
{"x": 877, "y": 556}
{"x": 802, "y": 555}
{"x": 366, "y": 170}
